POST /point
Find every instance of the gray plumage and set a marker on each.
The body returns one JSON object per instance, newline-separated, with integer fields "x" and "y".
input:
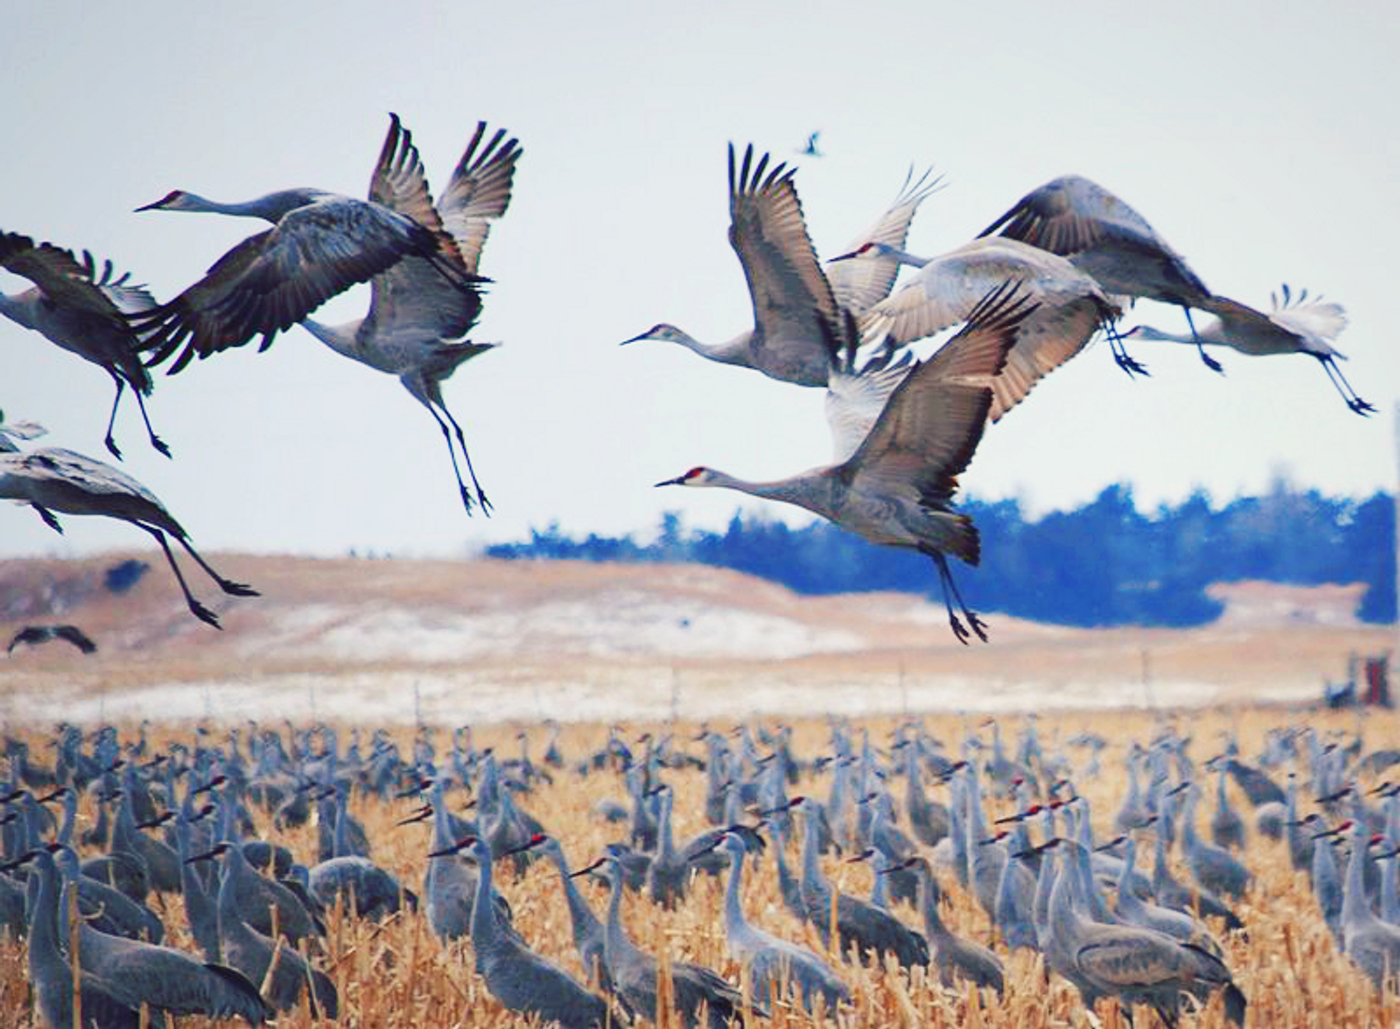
{"x": 956, "y": 958}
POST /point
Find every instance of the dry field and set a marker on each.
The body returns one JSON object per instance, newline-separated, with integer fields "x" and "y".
{"x": 503, "y": 645}
{"x": 396, "y": 974}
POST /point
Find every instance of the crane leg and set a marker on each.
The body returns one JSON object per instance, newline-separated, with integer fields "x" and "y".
{"x": 112, "y": 420}
{"x": 49, "y": 518}
{"x": 196, "y": 608}
{"x": 156, "y": 441}
{"x": 1329, "y": 365}
{"x": 456, "y": 469}
{"x": 462, "y": 442}
{"x": 1120, "y": 352}
{"x": 950, "y": 593}
{"x": 233, "y": 589}
{"x": 1211, "y": 362}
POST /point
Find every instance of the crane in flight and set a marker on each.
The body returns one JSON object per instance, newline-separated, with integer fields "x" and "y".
{"x": 417, "y": 318}
{"x": 897, "y": 482}
{"x": 804, "y": 316}
{"x": 84, "y": 310}
{"x": 320, "y": 244}
{"x": 1105, "y": 237}
{"x": 946, "y": 289}
{"x": 52, "y": 479}
{"x": 1295, "y": 325}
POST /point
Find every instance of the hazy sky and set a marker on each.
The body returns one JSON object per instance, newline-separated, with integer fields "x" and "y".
{"x": 1260, "y": 140}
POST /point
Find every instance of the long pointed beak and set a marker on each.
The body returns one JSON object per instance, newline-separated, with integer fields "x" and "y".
{"x": 153, "y": 205}
{"x": 672, "y": 482}
{"x": 634, "y": 339}
{"x": 588, "y": 868}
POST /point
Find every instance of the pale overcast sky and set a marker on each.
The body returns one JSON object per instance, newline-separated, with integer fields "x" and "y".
{"x": 1260, "y": 140}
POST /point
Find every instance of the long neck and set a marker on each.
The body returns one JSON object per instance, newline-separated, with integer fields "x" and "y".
{"x": 734, "y": 351}
{"x": 484, "y": 929}
{"x": 1355, "y": 908}
{"x": 343, "y": 339}
{"x": 734, "y": 923}
{"x": 806, "y": 491}
{"x": 17, "y": 308}
{"x": 615, "y": 942}
{"x": 811, "y": 868}
{"x": 270, "y": 207}
{"x": 580, "y": 914}
{"x": 928, "y": 904}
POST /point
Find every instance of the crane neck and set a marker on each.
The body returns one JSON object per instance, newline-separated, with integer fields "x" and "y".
{"x": 1356, "y": 910}
{"x": 485, "y": 931}
{"x": 18, "y": 308}
{"x": 616, "y": 946}
{"x": 734, "y": 922}
{"x": 934, "y": 928}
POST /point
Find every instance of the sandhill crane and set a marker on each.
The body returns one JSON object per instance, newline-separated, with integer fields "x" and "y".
{"x": 804, "y": 316}
{"x": 1294, "y": 326}
{"x": 1103, "y": 236}
{"x": 1171, "y": 893}
{"x": 516, "y": 976}
{"x": 52, "y": 479}
{"x": 587, "y": 929}
{"x": 1226, "y": 825}
{"x": 261, "y": 902}
{"x": 896, "y": 485}
{"x": 110, "y": 909}
{"x": 51, "y": 974}
{"x": 773, "y": 964}
{"x": 956, "y": 958}
{"x": 367, "y": 890}
{"x": 34, "y": 635}
{"x": 253, "y": 952}
{"x": 167, "y": 979}
{"x": 1134, "y": 964}
{"x": 1073, "y": 307}
{"x": 635, "y": 973}
{"x": 1370, "y": 942}
{"x": 859, "y": 925}
{"x": 416, "y": 314}
{"x": 83, "y": 311}
{"x": 320, "y": 244}
{"x": 1213, "y": 867}
{"x": 1133, "y": 910}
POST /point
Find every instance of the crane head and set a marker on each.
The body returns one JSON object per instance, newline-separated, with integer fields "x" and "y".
{"x": 661, "y": 331}
{"x": 867, "y": 249}
{"x": 697, "y": 476}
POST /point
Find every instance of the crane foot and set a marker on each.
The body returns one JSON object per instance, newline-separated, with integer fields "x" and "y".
{"x": 204, "y": 614}
{"x": 237, "y": 589}
{"x": 112, "y": 448}
{"x": 159, "y": 444}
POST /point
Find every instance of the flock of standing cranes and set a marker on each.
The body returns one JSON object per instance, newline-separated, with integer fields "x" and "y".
{"x": 208, "y": 823}
{"x": 1026, "y": 296}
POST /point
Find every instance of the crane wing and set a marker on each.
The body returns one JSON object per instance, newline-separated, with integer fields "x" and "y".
{"x": 854, "y": 401}
{"x": 65, "y": 280}
{"x": 399, "y": 181}
{"x": 795, "y": 311}
{"x": 1049, "y": 337}
{"x": 859, "y": 283}
{"x": 479, "y": 191}
{"x": 276, "y": 278}
{"x": 934, "y": 419}
{"x": 1314, "y": 320}
{"x": 1069, "y": 215}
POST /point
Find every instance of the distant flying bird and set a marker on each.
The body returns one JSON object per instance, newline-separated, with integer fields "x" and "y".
{"x": 320, "y": 245}
{"x": 52, "y": 479}
{"x": 804, "y": 316}
{"x": 896, "y": 486}
{"x": 1103, "y": 236}
{"x": 1072, "y": 306}
{"x": 83, "y": 311}
{"x": 34, "y": 635}
{"x": 415, "y": 314}
{"x": 810, "y": 149}
{"x": 1296, "y": 325}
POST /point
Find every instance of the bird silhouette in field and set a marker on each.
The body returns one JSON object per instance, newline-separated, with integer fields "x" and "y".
{"x": 320, "y": 244}
{"x": 896, "y": 485}
{"x": 34, "y": 635}
{"x": 84, "y": 311}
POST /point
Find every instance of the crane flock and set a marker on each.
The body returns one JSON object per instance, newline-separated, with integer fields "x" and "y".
{"x": 97, "y": 940}
{"x": 1056, "y": 269}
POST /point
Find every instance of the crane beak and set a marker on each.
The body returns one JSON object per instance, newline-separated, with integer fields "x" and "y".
{"x": 678, "y": 481}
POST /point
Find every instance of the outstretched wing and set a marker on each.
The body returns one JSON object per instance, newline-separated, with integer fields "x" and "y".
{"x": 479, "y": 191}
{"x": 859, "y": 283}
{"x": 935, "y": 418}
{"x": 1069, "y": 215}
{"x": 795, "y": 312}
{"x": 66, "y": 281}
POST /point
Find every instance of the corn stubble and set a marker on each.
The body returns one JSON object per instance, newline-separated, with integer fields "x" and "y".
{"x": 395, "y": 974}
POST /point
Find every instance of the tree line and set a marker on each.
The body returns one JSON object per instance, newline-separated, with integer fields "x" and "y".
{"x": 1104, "y": 563}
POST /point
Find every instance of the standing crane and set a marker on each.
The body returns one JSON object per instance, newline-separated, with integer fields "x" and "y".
{"x": 635, "y": 973}
{"x": 53, "y": 479}
{"x": 804, "y": 316}
{"x": 955, "y": 957}
{"x": 417, "y": 317}
{"x": 84, "y": 312}
{"x": 1294, "y": 326}
{"x": 516, "y": 976}
{"x": 774, "y": 965}
{"x": 898, "y": 479}
{"x": 320, "y": 244}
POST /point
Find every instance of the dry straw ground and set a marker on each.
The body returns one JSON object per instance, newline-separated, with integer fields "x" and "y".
{"x": 501, "y": 646}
